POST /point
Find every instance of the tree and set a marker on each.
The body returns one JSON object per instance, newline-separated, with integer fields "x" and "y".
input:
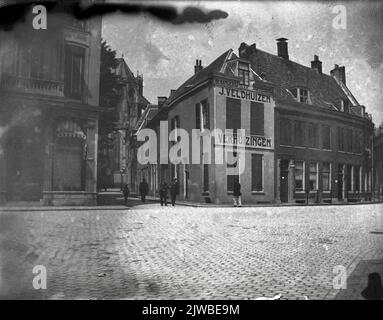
{"x": 110, "y": 94}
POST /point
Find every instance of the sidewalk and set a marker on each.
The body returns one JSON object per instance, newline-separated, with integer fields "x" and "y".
{"x": 117, "y": 203}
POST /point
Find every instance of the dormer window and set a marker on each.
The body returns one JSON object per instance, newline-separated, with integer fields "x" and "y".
{"x": 344, "y": 106}
{"x": 244, "y": 73}
{"x": 300, "y": 94}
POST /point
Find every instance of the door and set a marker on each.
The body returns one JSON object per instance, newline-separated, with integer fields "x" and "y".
{"x": 284, "y": 181}
{"x": 340, "y": 182}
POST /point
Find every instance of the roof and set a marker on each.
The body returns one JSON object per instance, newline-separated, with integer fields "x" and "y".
{"x": 325, "y": 91}
{"x": 199, "y": 77}
{"x": 148, "y": 114}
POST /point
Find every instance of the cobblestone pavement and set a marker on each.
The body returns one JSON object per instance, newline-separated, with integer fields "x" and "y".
{"x": 150, "y": 252}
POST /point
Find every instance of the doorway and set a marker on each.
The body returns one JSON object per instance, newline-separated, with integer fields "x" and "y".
{"x": 340, "y": 181}
{"x": 284, "y": 181}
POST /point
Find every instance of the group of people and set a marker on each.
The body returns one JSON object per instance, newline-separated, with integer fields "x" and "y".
{"x": 143, "y": 188}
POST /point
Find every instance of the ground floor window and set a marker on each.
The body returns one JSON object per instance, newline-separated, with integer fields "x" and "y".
{"x": 313, "y": 176}
{"x": 205, "y": 177}
{"x": 256, "y": 172}
{"x": 349, "y": 177}
{"x": 299, "y": 175}
{"x": 356, "y": 175}
{"x": 326, "y": 176}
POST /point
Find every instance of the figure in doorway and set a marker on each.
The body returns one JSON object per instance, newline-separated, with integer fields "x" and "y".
{"x": 126, "y": 192}
{"x": 237, "y": 193}
{"x": 164, "y": 193}
{"x": 174, "y": 188}
{"x": 144, "y": 189}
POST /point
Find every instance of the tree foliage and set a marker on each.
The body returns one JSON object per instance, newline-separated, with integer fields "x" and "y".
{"x": 110, "y": 92}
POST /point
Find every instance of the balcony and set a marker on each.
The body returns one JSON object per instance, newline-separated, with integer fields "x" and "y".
{"x": 34, "y": 86}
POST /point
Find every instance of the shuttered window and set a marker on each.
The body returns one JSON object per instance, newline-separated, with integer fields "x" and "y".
{"x": 299, "y": 133}
{"x": 285, "y": 133}
{"x": 233, "y": 114}
{"x": 257, "y": 118}
{"x": 256, "y": 172}
{"x": 198, "y": 116}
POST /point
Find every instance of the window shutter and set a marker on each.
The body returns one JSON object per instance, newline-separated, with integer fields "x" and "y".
{"x": 257, "y": 119}
{"x": 197, "y": 116}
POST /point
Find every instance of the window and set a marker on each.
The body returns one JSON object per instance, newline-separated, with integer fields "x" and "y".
{"x": 231, "y": 178}
{"x": 303, "y": 95}
{"x": 243, "y": 73}
{"x": 233, "y": 114}
{"x": 349, "y": 177}
{"x": 78, "y": 24}
{"x": 257, "y": 119}
{"x": 326, "y": 137}
{"x": 74, "y": 71}
{"x": 299, "y": 175}
{"x": 313, "y": 176}
{"x": 326, "y": 176}
{"x": 299, "y": 133}
{"x": 202, "y": 115}
{"x": 340, "y": 139}
{"x": 256, "y": 172}
{"x": 205, "y": 177}
{"x": 356, "y": 178}
{"x": 358, "y": 137}
{"x": 285, "y": 134}
{"x": 349, "y": 139}
{"x": 344, "y": 106}
{"x": 313, "y": 135}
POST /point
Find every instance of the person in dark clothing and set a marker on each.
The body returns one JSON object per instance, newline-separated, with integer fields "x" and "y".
{"x": 164, "y": 193}
{"x": 126, "y": 192}
{"x": 374, "y": 290}
{"x": 144, "y": 189}
{"x": 174, "y": 187}
{"x": 237, "y": 193}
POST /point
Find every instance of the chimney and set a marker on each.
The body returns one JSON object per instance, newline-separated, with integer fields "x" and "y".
{"x": 283, "y": 51}
{"x": 198, "y": 66}
{"x": 339, "y": 73}
{"x": 140, "y": 84}
{"x": 172, "y": 91}
{"x": 316, "y": 64}
{"x": 245, "y": 50}
{"x": 161, "y": 101}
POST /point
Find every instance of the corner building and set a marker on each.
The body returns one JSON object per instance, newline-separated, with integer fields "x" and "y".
{"x": 306, "y": 136}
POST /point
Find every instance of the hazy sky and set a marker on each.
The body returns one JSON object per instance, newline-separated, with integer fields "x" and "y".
{"x": 165, "y": 53}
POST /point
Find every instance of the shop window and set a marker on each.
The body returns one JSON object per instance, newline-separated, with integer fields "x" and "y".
{"x": 205, "y": 177}
{"x": 243, "y": 73}
{"x": 356, "y": 178}
{"x": 349, "y": 177}
{"x": 286, "y": 130}
{"x": 326, "y": 137}
{"x": 326, "y": 176}
{"x": 256, "y": 172}
{"x": 313, "y": 176}
{"x": 74, "y": 71}
{"x": 312, "y": 135}
{"x": 299, "y": 175}
{"x": 299, "y": 133}
{"x": 257, "y": 118}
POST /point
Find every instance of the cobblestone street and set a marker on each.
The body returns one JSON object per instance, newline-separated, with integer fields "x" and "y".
{"x": 150, "y": 252}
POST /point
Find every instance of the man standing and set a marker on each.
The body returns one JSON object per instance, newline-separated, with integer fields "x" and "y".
{"x": 174, "y": 191}
{"x": 237, "y": 193}
{"x": 163, "y": 193}
{"x": 144, "y": 189}
{"x": 125, "y": 191}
